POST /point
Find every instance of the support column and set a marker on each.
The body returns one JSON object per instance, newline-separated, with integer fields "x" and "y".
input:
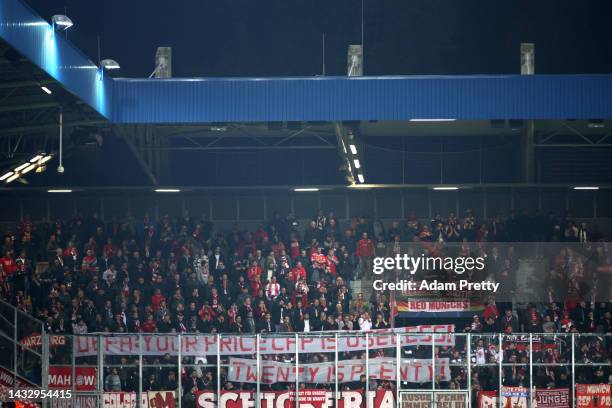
{"x": 528, "y": 156}
{"x": 528, "y": 152}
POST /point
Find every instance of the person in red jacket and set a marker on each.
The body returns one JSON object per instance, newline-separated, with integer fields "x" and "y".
{"x": 156, "y": 300}
{"x": 294, "y": 248}
{"x": 254, "y": 271}
{"x": 365, "y": 252}
{"x": 149, "y": 325}
{"x": 8, "y": 263}
{"x": 297, "y": 272}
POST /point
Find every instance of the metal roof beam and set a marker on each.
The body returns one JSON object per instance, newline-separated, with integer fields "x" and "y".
{"x": 23, "y": 84}
{"x": 51, "y": 126}
{"x": 28, "y": 106}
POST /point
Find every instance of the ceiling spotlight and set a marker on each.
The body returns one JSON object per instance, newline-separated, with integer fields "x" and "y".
{"x": 61, "y": 22}
{"x": 21, "y": 167}
{"x": 12, "y": 178}
{"x": 109, "y": 64}
{"x": 45, "y": 159}
{"x": 46, "y": 90}
{"x": 450, "y": 188}
{"x": 6, "y": 175}
{"x": 596, "y": 124}
{"x": 29, "y": 168}
{"x": 36, "y": 158}
{"x": 167, "y": 190}
{"x": 586, "y": 188}
{"x": 305, "y": 189}
{"x": 432, "y": 120}
{"x": 357, "y": 164}
{"x": 360, "y": 178}
{"x": 59, "y": 191}
{"x": 353, "y": 149}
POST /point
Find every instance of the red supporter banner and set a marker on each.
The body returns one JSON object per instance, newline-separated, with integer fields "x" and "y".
{"x": 61, "y": 377}
{"x": 150, "y": 399}
{"x": 271, "y": 372}
{"x": 431, "y": 306}
{"x": 593, "y": 396}
{"x": 553, "y": 398}
{"x": 521, "y": 342}
{"x": 35, "y": 340}
{"x": 161, "y": 399}
{"x": 7, "y": 379}
{"x": 202, "y": 345}
{"x": 512, "y": 397}
{"x": 286, "y": 399}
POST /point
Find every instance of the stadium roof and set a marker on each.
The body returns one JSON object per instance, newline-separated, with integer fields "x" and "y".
{"x": 197, "y": 100}
{"x": 173, "y": 131}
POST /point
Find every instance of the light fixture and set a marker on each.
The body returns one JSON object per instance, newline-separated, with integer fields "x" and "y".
{"x": 305, "y": 189}
{"x": 59, "y": 191}
{"x": 61, "y": 22}
{"x": 29, "y": 168}
{"x": 449, "y": 188}
{"x": 109, "y": 64}
{"x": 353, "y": 149}
{"x": 12, "y": 178}
{"x": 6, "y": 175}
{"x": 21, "y": 167}
{"x": 167, "y": 190}
{"x": 596, "y": 124}
{"x": 432, "y": 120}
{"x": 46, "y": 90}
{"x": 360, "y": 178}
{"x": 37, "y": 163}
{"x": 586, "y": 188}
{"x": 357, "y": 164}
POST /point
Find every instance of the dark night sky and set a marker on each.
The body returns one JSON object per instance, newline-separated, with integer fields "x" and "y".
{"x": 283, "y": 37}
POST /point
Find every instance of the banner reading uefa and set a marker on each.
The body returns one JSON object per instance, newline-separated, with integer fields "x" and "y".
{"x": 383, "y": 368}
{"x": 306, "y": 398}
{"x": 202, "y": 345}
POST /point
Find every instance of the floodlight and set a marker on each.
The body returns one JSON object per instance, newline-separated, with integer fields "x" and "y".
{"x": 12, "y": 178}
{"x": 29, "y": 168}
{"x": 61, "y": 22}
{"x": 6, "y": 175}
{"x": 109, "y": 64}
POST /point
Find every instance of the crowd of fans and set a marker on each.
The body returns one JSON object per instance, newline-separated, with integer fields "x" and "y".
{"x": 185, "y": 275}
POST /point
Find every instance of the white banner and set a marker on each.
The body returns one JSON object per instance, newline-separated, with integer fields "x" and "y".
{"x": 124, "y": 400}
{"x": 203, "y": 345}
{"x": 382, "y": 368}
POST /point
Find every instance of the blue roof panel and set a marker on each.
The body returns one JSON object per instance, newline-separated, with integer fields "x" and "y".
{"x": 199, "y": 100}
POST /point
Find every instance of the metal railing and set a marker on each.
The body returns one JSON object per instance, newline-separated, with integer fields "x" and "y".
{"x": 440, "y": 366}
